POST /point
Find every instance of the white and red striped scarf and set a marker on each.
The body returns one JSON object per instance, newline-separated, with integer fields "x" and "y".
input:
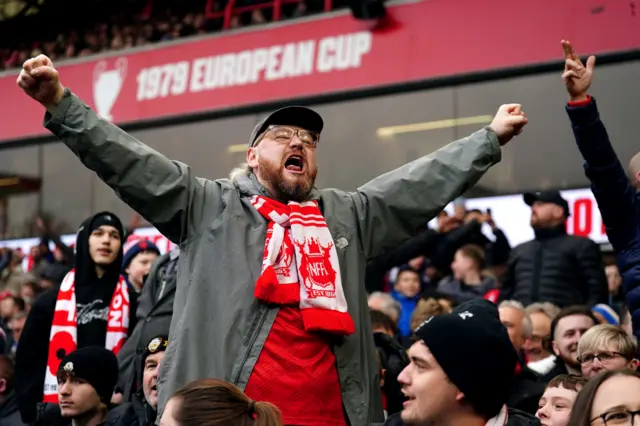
{"x": 300, "y": 265}
{"x": 64, "y": 331}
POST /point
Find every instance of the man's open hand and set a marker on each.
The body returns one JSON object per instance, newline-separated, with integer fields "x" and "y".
{"x": 508, "y": 122}
{"x": 577, "y": 77}
{"x": 39, "y": 79}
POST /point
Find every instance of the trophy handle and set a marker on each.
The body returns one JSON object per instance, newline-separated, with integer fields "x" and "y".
{"x": 121, "y": 66}
{"x": 98, "y": 70}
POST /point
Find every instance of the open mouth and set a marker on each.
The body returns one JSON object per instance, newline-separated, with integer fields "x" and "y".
{"x": 104, "y": 252}
{"x": 295, "y": 163}
{"x": 154, "y": 388}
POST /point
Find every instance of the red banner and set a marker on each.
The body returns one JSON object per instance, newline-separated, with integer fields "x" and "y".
{"x": 423, "y": 40}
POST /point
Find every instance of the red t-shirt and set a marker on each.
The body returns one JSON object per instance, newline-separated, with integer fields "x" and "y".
{"x": 296, "y": 371}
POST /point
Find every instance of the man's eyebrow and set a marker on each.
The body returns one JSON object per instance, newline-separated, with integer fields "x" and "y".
{"x": 419, "y": 360}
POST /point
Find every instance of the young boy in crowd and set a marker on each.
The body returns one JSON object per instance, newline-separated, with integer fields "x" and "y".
{"x": 137, "y": 261}
{"x": 554, "y": 408}
{"x": 86, "y": 379}
{"x": 407, "y": 292}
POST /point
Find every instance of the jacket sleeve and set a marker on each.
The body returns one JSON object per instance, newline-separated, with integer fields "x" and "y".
{"x": 393, "y": 206}
{"x": 162, "y": 191}
{"x": 31, "y": 355}
{"x": 615, "y": 196}
{"x": 425, "y": 243}
{"x": 500, "y": 248}
{"x": 593, "y": 277}
{"x": 69, "y": 253}
{"x": 451, "y": 242}
{"x": 610, "y": 185}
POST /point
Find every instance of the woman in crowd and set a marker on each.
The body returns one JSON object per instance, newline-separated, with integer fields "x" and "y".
{"x": 468, "y": 280}
{"x": 606, "y": 347}
{"x": 213, "y": 402}
{"x": 611, "y": 399}
{"x": 554, "y": 408}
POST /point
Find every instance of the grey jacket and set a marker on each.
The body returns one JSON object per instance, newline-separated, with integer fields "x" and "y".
{"x": 218, "y": 328}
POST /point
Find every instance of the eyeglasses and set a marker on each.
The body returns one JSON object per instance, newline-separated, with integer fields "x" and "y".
{"x": 618, "y": 418}
{"x": 284, "y": 134}
{"x": 604, "y": 357}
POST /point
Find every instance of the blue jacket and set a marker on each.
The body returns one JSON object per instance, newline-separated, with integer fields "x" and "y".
{"x": 408, "y": 305}
{"x": 617, "y": 199}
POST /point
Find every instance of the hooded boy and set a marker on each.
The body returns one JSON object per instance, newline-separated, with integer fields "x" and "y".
{"x": 92, "y": 307}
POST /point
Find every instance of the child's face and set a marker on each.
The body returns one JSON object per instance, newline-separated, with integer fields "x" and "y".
{"x": 554, "y": 408}
{"x": 408, "y": 283}
{"x": 140, "y": 266}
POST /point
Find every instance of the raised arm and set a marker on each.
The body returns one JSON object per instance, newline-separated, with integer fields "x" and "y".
{"x": 162, "y": 191}
{"x": 610, "y": 185}
{"x": 393, "y": 206}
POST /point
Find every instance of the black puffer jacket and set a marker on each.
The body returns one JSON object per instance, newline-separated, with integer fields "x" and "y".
{"x": 558, "y": 268}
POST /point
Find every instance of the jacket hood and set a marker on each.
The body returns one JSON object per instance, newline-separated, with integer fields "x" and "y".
{"x": 85, "y": 267}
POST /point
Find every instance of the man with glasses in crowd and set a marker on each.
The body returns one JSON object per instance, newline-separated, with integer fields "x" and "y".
{"x": 271, "y": 282}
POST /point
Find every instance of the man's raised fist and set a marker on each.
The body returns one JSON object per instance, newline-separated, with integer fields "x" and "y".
{"x": 39, "y": 79}
{"x": 508, "y": 122}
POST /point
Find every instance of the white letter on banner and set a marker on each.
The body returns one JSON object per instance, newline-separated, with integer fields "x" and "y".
{"x": 272, "y": 63}
{"x": 306, "y": 51}
{"x": 197, "y": 73}
{"x": 325, "y": 60}
{"x": 228, "y": 72}
{"x": 243, "y": 67}
{"x": 259, "y": 64}
{"x": 363, "y": 44}
{"x": 288, "y": 61}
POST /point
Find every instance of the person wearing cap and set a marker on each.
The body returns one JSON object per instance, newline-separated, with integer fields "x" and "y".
{"x": 92, "y": 307}
{"x": 554, "y": 267}
{"x": 440, "y": 384}
{"x": 86, "y": 379}
{"x": 142, "y": 409}
{"x": 271, "y": 284}
{"x": 137, "y": 261}
{"x": 616, "y": 191}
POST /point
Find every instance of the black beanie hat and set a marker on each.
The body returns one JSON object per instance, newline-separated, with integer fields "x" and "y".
{"x": 106, "y": 218}
{"x": 473, "y": 349}
{"x": 97, "y": 365}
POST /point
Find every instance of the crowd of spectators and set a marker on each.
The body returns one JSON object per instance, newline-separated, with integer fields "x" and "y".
{"x": 133, "y": 23}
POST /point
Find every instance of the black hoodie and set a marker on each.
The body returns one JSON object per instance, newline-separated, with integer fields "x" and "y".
{"x": 93, "y": 297}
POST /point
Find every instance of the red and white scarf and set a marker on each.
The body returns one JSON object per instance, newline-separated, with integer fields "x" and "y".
{"x": 64, "y": 332}
{"x": 300, "y": 265}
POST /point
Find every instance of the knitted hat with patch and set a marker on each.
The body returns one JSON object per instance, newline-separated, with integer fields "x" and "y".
{"x": 94, "y": 364}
